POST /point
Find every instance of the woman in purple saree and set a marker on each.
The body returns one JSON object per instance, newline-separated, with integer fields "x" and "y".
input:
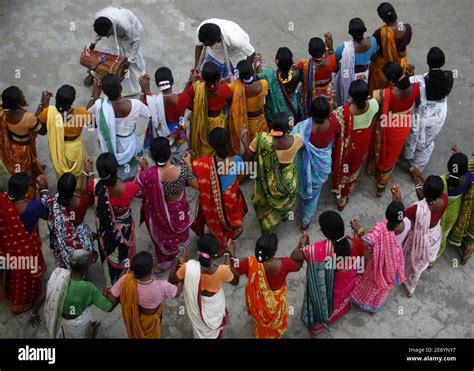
{"x": 165, "y": 209}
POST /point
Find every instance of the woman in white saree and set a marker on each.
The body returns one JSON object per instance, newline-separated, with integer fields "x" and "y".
{"x": 116, "y": 119}
{"x": 203, "y": 293}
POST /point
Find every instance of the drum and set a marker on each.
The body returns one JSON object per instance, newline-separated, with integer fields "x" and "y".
{"x": 104, "y": 63}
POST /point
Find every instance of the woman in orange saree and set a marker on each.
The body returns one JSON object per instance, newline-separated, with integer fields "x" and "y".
{"x": 393, "y": 127}
{"x": 221, "y": 204}
{"x": 18, "y": 131}
{"x": 265, "y": 293}
{"x": 393, "y": 38}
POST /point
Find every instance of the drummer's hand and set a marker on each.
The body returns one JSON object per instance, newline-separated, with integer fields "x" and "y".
{"x": 144, "y": 81}
{"x": 88, "y": 165}
{"x": 42, "y": 182}
{"x": 97, "y": 89}
{"x": 91, "y": 46}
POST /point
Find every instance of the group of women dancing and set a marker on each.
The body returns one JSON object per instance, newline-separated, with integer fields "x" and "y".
{"x": 300, "y": 124}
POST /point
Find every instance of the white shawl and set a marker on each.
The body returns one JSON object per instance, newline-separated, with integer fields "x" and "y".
{"x": 345, "y": 75}
{"x": 207, "y": 318}
{"x": 158, "y": 118}
{"x": 56, "y": 292}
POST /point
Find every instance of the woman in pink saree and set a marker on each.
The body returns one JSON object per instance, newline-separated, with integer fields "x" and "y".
{"x": 424, "y": 240}
{"x": 330, "y": 275}
{"x": 165, "y": 209}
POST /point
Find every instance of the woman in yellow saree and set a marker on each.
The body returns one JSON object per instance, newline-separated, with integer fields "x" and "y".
{"x": 247, "y": 108}
{"x": 210, "y": 97}
{"x": 141, "y": 298}
{"x": 64, "y": 124}
{"x": 393, "y": 38}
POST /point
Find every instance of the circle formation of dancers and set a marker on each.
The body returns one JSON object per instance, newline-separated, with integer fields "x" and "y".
{"x": 286, "y": 130}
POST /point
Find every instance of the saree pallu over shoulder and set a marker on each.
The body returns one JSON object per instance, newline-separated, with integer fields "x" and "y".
{"x": 319, "y": 295}
{"x": 56, "y": 292}
{"x": 377, "y": 79}
{"x": 167, "y": 222}
{"x": 313, "y": 166}
{"x": 275, "y": 188}
{"x": 462, "y": 233}
{"x": 139, "y": 325}
{"x": 341, "y": 148}
{"x": 268, "y": 308}
{"x": 201, "y": 124}
{"x": 66, "y": 156}
{"x": 207, "y": 314}
{"x": 222, "y": 211}
{"x": 237, "y": 117}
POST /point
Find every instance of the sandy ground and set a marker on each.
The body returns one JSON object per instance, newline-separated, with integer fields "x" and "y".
{"x": 40, "y": 48}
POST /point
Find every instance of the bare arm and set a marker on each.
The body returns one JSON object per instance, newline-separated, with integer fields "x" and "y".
{"x": 197, "y": 55}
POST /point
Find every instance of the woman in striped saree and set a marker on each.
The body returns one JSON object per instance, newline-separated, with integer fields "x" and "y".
{"x": 276, "y": 185}
{"x": 385, "y": 266}
{"x": 20, "y": 239}
{"x": 462, "y": 233}
{"x": 265, "y": 293}
{"x": 221, "y": 204}
{"x": 330, "y": 273}
{"x": 456, "y": 184}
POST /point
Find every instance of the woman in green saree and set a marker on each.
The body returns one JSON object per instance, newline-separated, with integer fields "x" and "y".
{"x": 456, "y": 184}
{"x": 283, "y": 83}
{"x": 462, "y": 233}
{"x": 276, "y": 184}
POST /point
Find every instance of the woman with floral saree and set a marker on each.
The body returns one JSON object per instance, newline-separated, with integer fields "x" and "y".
{"x": 221, "y": 204}
{"x": 276, "y": 185}
{"x": 330, "y": 273}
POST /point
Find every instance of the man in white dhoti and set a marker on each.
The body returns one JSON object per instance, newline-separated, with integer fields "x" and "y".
{"x": 121, "y": 28}
{"x": 226, "y": 45}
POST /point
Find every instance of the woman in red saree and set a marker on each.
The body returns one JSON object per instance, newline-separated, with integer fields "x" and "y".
{"x": 394, "y": 124}
{"x": 20, "y": 244}
{"x": 331, "y": 273}
{"x": 165, "y": 208}
{"x": 221, "y": 204}
{"x": 352, "y": 144}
